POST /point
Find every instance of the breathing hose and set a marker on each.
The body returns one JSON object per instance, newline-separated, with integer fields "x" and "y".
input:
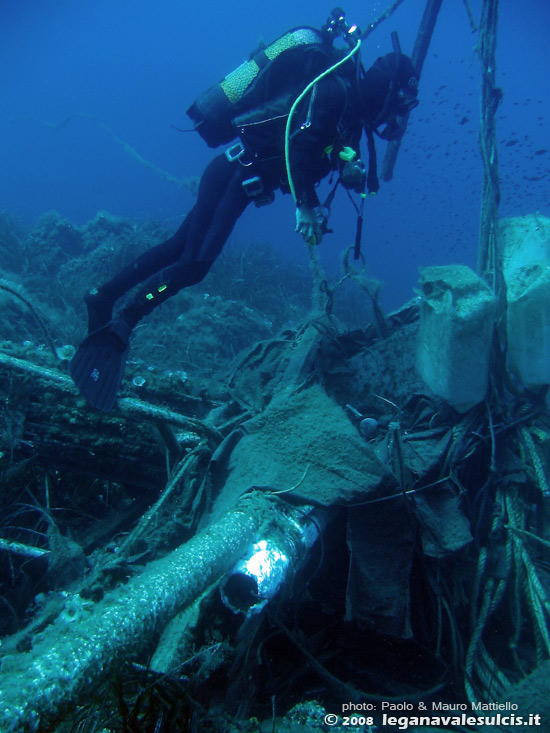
{"x": 297, "y": 102}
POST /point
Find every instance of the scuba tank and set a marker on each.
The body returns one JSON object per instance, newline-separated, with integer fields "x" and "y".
{"x": 297, "y": 56}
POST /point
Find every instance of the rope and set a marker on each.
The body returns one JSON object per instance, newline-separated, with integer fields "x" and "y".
{"x": 538, "y": 467}
{"x": 470, "y": 16}
{"x": 479, "y": 663}
{"x": 190, "y": 182}
{"x": 386, "y": 14}
{"x": 491, "y": 96}
{"x": 6, "y": 287}
{"x": 538, "y": 604}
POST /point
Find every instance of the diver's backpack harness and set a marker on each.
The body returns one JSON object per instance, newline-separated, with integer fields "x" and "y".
{"x": 257, "y": 95}
{"x": 296, "y": 57}
{"x": 253, "y": 101}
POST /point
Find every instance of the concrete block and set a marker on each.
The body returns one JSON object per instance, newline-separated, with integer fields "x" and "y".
{"x": 524, "y": 258}
{"x": 457, "y": 316}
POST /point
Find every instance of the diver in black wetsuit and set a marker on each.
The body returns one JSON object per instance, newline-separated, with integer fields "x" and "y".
{"x": 325, "y": 136}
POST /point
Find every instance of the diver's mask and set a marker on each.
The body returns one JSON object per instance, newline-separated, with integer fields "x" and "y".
{"x": 395, "y": 127}
{"x": 406, "y": 103}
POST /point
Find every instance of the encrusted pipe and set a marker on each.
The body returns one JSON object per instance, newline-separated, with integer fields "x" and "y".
{"x": 258, "y": 576}
{"x": 17, "y": 548}
{"x": 88, "y": 639}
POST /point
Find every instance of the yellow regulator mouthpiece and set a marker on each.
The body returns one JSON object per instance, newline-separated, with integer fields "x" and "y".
{"x": 347, "y": 153}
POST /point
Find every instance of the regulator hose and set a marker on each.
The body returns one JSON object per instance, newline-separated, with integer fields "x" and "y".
{"x": 297, "y": 102}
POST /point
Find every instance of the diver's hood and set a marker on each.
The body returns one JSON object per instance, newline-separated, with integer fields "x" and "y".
{"x": 388, "y": 92}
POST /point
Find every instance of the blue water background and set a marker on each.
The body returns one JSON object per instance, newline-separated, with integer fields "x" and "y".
{"x": 137, "y": 65}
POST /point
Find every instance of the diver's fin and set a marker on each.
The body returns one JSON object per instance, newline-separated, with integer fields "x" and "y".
{"x": 97, "y": 368}
{"x": 100, "y": 310}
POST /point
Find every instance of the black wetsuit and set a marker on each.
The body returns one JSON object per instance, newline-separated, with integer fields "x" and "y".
{"x": 185, "y": 258}
{"x": 326, "y": 120}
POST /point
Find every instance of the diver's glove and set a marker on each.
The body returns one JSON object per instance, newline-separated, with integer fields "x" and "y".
{"x": 308, "y": 224}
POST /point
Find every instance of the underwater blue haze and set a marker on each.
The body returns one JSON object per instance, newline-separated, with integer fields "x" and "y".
{"x": 128, "y": 69}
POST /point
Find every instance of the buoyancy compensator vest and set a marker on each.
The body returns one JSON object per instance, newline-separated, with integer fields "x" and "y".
{"x": 278, "y": 71}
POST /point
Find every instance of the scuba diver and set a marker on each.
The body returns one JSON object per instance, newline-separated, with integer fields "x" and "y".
{"x": 298, "y": 108}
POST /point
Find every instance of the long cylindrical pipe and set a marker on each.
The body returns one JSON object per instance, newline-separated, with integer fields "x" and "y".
{"x": 88, "y": 639}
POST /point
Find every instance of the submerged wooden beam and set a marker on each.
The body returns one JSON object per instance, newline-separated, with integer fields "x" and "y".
{"x": 418, "y": 56}
{"x": 44, "y": 419}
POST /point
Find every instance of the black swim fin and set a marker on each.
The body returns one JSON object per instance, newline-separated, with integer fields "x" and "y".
{"x": 97, "y": 368}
